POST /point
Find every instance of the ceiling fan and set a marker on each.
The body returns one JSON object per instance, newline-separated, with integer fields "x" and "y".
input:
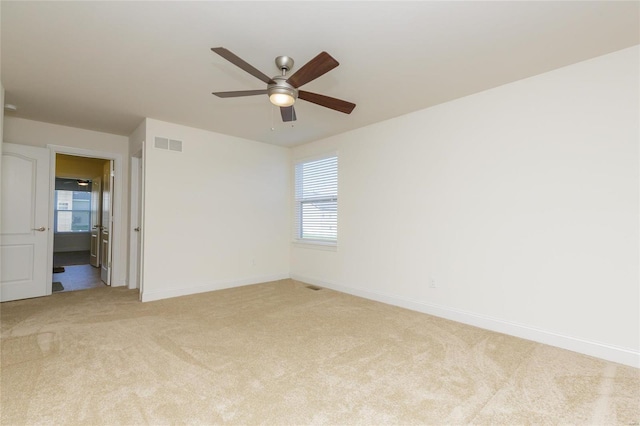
{"x": 282, "y": 89}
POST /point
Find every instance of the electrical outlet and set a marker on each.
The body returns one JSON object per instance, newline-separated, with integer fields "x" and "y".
{"x": 432, "y": 283}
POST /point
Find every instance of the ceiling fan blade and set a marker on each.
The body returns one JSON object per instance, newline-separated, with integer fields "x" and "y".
{"x": 288, "y": 113}
{"x": 326, "y": 101}
{"x": 313, "y": 69}
{"x": 235, "y": 60}
{"x": 239, "y": 93}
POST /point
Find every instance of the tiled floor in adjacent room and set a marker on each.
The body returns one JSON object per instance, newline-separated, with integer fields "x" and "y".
{"x": 79, "y": 277}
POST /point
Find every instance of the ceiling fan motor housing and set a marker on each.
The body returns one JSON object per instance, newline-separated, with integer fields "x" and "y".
{"x": 280, "y": 86}
{"x": 284, "y": 63}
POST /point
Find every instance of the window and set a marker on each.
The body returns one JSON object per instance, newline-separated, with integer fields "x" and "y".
{"x": 316, "y": 200}
{"x": 72, "y": 211}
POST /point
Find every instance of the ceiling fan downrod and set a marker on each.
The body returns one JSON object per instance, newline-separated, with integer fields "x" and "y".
{"x": 284, "y": 64}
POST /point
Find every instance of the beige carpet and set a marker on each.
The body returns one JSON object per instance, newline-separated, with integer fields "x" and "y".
{"x": 279, "y": 353}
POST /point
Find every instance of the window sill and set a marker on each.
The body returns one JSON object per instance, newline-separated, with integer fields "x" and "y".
{"x": 315, "y": 245}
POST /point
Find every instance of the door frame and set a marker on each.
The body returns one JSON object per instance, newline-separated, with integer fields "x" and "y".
{"x": 118, "y": 188}
{"x": 136, "y": 209}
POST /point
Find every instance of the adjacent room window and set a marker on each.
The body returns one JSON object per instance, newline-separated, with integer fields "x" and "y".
{"x": 316, "y": 200}
{"x": 72, "y": 207}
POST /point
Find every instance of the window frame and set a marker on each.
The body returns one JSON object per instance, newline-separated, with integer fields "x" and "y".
{"x": 298, "y": 240}
{"x": 56, "y": 212}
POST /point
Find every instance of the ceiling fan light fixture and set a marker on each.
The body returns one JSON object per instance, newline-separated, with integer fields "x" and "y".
{"x": 281, "y": 93}
{"x": 282, "y": 99}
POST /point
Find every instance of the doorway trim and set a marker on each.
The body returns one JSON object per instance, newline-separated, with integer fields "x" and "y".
{"x": 136, "y": 214}
{"x": 118, "y": 274}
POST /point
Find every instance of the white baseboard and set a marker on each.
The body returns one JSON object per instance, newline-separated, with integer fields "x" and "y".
{"x": 596, "y": 349}
{"x": 149, "y": 296}
{"x": 118, "y": 283}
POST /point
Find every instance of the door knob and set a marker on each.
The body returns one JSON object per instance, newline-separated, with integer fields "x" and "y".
{"x": 41, "y": 229}
{"x": 137, "y": 229}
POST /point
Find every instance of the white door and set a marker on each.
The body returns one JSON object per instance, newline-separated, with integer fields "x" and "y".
{"x": 96, "y": 223}
{"x": 138, "y": 232}
{"x": 107, "y": 223}
{"x": 24, "y": 229}
{"x": 136, "y": 222}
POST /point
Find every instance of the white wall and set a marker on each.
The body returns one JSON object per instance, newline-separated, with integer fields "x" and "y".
{"x": 136, "y": 138}
{"x": 216, "y": 215}
{"x": 521, "y": 202}
{"x": 1, "y": 118}
{"x": 35, "y": 133}
{"x": 1, "y": 136}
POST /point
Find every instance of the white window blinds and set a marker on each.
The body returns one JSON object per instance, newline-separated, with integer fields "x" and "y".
{"x": 316, "y": 200}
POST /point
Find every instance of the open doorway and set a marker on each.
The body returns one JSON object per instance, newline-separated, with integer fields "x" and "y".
{"x": 82, "y": 208}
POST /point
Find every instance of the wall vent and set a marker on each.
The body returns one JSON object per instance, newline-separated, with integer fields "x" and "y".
{"x": 168, "y": 144}
{"x": 175, "y": 145}
{"x": 162, "y": 143}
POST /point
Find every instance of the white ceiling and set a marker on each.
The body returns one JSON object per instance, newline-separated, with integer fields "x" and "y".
{"x": 106, "y": 65}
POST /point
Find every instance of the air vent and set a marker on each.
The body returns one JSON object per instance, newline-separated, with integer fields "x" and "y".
{"x": 162, "y": 143}
{"x": 168, "y": 144}
{"x": 175, "y": 145}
